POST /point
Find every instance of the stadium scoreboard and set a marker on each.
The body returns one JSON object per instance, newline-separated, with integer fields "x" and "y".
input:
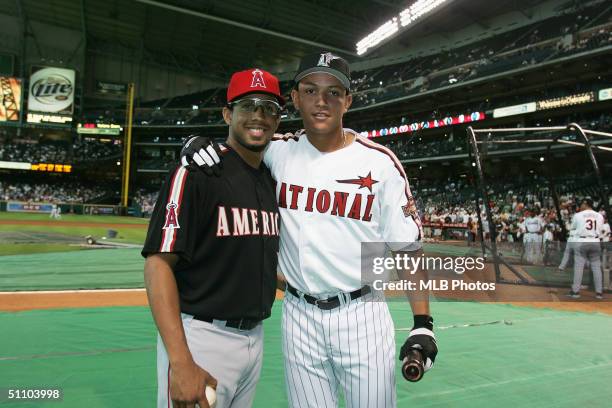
{"x": 99, "y": 129}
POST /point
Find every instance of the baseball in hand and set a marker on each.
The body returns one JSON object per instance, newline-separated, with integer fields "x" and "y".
{"x": 211, "y": 396}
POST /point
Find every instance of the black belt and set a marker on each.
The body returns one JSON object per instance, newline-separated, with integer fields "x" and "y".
{"x": 329, "y": 303}
{"x": 240, "y": 324}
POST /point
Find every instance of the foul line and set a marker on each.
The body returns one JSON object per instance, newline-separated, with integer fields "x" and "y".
{"x": 79, "y": 354}
{"x": 503, "y": 321}
{"x": 35, "y": 292}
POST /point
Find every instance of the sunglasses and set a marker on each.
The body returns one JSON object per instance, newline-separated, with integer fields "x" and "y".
{"x": 250, "y": 105}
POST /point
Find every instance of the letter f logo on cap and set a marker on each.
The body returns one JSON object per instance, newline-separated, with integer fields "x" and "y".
{"x": 258, "y": 80}
{"x": 326, "y": 58}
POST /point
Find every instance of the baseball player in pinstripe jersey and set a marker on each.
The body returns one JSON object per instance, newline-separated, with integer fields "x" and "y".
{"x": 336, "y": 190}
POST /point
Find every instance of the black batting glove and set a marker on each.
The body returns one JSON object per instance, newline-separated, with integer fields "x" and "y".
{"x": 421, "y": 338}
{"x": 201, "y": 153}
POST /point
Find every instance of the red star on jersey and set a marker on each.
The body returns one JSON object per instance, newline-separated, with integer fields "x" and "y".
{"x": 362, "y": 182}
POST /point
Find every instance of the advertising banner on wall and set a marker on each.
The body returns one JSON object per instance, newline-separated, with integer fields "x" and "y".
{"x": 569, "y": 100}
{"x": 515, "y": 110}
{"x": 10, "y": 98}
{"x": 51, "y": 95}
{"x": 428, "y": 124}
{"x": 111, "y": 88}
{"x": 604, "y": 94}
{"x": 18, "y": 206}
{"x": 109, "y": 129}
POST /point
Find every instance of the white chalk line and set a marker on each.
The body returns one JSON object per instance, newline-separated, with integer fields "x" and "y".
{"x": 33, "y": 292}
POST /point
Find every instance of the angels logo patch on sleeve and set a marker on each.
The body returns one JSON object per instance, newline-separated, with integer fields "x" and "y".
{"x": 410, "y": 209}
{"x": 171, "y": 217}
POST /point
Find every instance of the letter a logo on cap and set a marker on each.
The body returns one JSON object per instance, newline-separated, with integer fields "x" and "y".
{"x": 258, "y": 80}
{"x": 325, "y": 59}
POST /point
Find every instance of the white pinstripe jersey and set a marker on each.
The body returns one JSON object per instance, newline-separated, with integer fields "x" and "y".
{"x": 332, "y": 202}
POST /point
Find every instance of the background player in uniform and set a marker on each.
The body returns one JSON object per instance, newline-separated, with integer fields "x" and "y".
{"x": 548, "y": 243}
{"x": 336, "y": 190}
{"x": 606, "y": 233}
{"x": 211, "y": 261}
{"x": 532, "y": 238}
{"x": 568, "y": 251}
{"x": 588, "y": 226}
{"x": 56, "y": 212}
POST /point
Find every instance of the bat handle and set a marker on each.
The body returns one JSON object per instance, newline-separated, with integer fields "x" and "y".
{"x": 412, "y": 366}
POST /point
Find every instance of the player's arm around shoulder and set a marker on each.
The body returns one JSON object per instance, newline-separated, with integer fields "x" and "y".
{"x": 277, "y": 149}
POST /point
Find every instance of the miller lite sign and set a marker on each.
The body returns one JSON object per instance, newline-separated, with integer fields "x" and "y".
{"x": 51, "y": 92}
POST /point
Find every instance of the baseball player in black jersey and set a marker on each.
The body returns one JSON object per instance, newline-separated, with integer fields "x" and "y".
{"x": 211, "y": 259}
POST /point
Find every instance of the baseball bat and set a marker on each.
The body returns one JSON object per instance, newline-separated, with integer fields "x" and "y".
{"x": 412, "y": 366}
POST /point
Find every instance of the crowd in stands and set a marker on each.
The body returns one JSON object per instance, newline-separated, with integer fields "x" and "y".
{"x": 454, "y": 202}
{"x": 58, "y": 152}
{"x": 94, "y": 150}
{"x": 58, "y": 192}
{"x": 146, "y": 201}
{"x": 576, "y": 28}
{"x": 34, "y": 152}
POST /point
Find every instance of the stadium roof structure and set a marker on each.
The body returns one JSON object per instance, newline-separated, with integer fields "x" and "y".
{"x": 216, "y": 37}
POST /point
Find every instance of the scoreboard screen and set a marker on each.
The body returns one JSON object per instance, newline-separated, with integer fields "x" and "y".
{"x": 108, "y": 129}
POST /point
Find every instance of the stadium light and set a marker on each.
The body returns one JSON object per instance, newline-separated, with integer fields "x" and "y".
{"x": 377, "y": 36}
{"x": 417, "y": 10}
{"x": 406, "y": 18}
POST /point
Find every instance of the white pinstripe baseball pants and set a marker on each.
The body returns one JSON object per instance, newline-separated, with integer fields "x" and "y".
{"x": 352, "y": 347}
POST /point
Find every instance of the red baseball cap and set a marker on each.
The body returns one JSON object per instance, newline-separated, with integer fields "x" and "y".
{"x": 253, "y": 80}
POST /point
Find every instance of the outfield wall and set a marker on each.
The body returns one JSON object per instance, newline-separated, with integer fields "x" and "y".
{"x": 67, "y": 208}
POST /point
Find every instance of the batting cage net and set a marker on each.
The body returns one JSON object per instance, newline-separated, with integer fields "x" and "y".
{"x": 530, "y": 183}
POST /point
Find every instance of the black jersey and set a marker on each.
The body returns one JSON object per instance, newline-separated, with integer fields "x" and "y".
{"x": 225, "y": 231}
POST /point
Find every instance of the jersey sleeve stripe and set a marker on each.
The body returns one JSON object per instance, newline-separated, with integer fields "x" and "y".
{"x": 389, "y": 153}
{"x": 398, "y": 166}
{"x": 176, "y": 195}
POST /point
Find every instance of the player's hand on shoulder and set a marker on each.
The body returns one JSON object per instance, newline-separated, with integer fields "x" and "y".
{"x": 283, "y": 135}
{"x": 421, "y": 338}
{"x": 188, "y": 383}
{"x": 288, "y": 135}
{"x": 201, "y": 153}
